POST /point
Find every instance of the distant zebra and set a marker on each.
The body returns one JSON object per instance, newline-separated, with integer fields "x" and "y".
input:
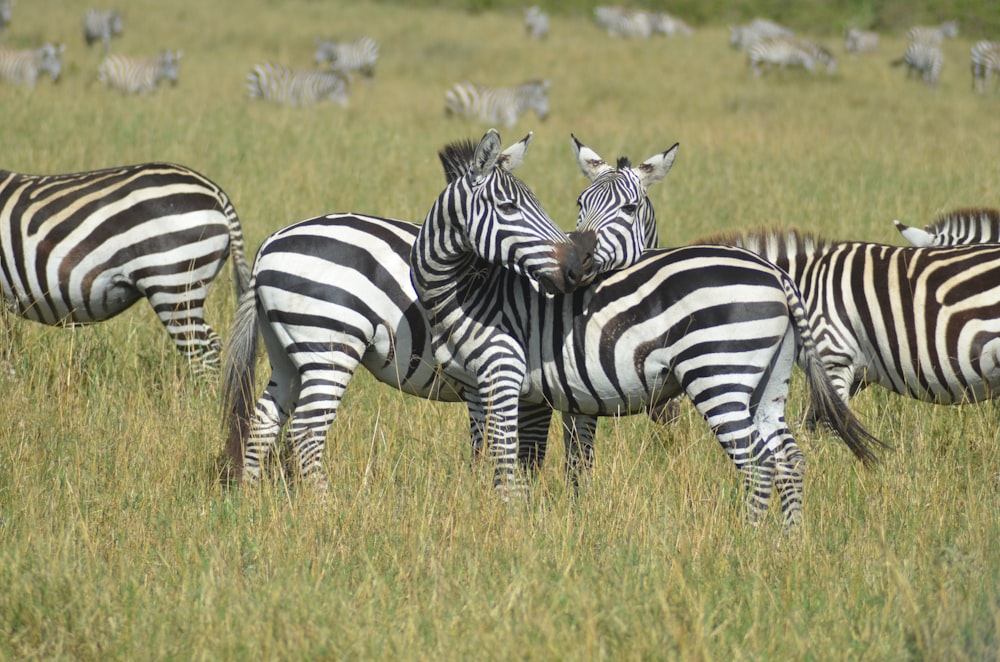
{"x": 294, "y": 87}
{"x": 921, "y": 322}
{"x": 359, "y": 55}
{"x": 497, "y": 105}
{"x": 742, "y": 37}
{"x": 664, "y": 23}
{"x": 718, "y": 323}
{"x": 985, "y": 60}
{"x": 101, "y": 26}
{"x": 536, "y": 22}
{"x": 787, "y": 52}
{"x": 860, "y": 41}
{"x": 923, "y": 59}
{"x": 621, "y": 22}
{"x": 82, "y": 247}
{"x": 139, "y": 75}
{"x": 24, "y": 67}
{"x": 933, "y": 35}
{"x": 956, "y": 228}
{"x": 6, "y": 13}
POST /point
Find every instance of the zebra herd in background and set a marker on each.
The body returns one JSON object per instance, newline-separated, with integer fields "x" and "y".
{"x": 139, "y": 75}
{"x": 498, "y": 105}
{"x": 639, "y": 24}
{"x": 294, "y": 87}
{"x": 101, "y": 25}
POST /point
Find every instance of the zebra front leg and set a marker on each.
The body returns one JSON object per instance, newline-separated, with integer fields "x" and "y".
{"x": 501, "y": 397}
{"x": 578, "y": 437}
{"x": 533, "y": 436}
{"x": 6, "y": 338}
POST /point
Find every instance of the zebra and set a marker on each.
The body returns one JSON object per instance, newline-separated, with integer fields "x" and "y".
{"x": 933, "y": 35}
{"x": 924, "y": 59}
{"x": 719, "y": 323}
{"x": 99, "y": 25}
{"x": 742, "y": 37}
{"x": 329, "y": 294}
{"x": 294, "y": 87}
{"x": 24, "y": 67}
{"x": 536, "y": 22}
{"x": 920, "y": 322}
{"x": 6, "y": 13}
{"x": 956, "y": 228}
{"x": 985, "y": 60}
{"x": 621, "y": 22}
{"x": 342, "y": 281}
{"x": 139, "y": 75}
{"x": 359, "y": 55}
{"x": 82, "y": 247}
{"x": 786, "y": 52}
{"x": 497, "y": 105}
{"x": 664, "y": 23}
{"x": 860, "y": 41}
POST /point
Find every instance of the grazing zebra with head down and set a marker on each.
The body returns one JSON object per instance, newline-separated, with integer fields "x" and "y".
{"x": 923, "y": 59}
{"x": 24, "y": 67}
{"x": 294, "y": 87}
{"x": 329, "y": 294}
{"x": 101, "y": 25}
{"x": 786, "y": 52}
{"x": 718, "y": 323}
{"x": 956, "y": 228}
{"x": 359, "y": 55}
{"x": 135, "y": 75}
{"x": 536, "y": 22}
{"x": 985, "y": 60}
{"x": 860, "y": 41}
{"x": 82, "y": 247}
{"x": 921, "y": 322}
{"x": 497, "y": 105}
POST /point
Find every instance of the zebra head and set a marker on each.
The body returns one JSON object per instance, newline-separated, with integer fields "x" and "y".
{"x": 536, "y": 97}
{"x": 490, "y": 214}
{"x": 615, "y": 209}
{"x": 168, "y": 66}
{"x": 50, "y": 60}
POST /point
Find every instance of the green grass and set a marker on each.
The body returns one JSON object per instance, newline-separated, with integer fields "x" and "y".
{"x": 117, "y": 542}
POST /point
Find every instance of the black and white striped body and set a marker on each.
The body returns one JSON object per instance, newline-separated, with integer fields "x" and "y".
{"x": 718, "y": 323}
{"x": 933, "y": 35}
{"x": 956, "y": 228}
{"x": 923, "y": 59}
{"x": 860, "y": 41}
{"x": 788, "y": 52}
{"x": 536, "y": 22}
{"x": 294, "y": 87}
{"x": 985, "y": 62}
{"x": 359, "y": 55}
{"x": 139, "y": 75}
{"x": 921, "y": 322}
{"x": 666, "y": 24}
{"x": 24, "y": 67}
{"x": 622, "y": 22}
{"x": 742, "y": 37}
{"x": 497, "y": 105}
{"x": 100, "y": 25}
{"x": 83, "y": 247}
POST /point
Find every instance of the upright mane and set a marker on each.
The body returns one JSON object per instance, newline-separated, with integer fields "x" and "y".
{"x": 958, "y": 217}
{"x": 456, "y": 158}
{"x": 770, "y": 242}
{"x": 624, "y": 162}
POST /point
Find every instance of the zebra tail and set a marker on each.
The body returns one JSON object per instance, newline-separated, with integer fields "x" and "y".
{"x": 823, "y": 397}
{"x": 237, "y": 251}
{"x": 238, "y": 377}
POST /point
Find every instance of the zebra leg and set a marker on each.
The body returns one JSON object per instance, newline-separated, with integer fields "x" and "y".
{"x": 6, "y": 338}
{"x": 183, "y": 316}
{"x": 533, "y": 435}
{"x": 265, "y": 426}
{"x": 578, "y": 437}
{"x": 501, "y": 397}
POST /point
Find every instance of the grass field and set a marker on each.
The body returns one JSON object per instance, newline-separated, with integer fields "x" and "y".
{"x": 117, "y": 541}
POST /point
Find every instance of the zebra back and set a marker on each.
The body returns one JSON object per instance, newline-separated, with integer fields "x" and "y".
{"x": 283, "y": 85}
{"x": 955, "y": 228}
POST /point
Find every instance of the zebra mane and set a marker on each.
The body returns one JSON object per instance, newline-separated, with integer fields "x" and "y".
{"x": 457, "y": 158}
{"x": 773, "y": 243}
{"x": 959, "y": 219}
{"x": 624, "y": 162}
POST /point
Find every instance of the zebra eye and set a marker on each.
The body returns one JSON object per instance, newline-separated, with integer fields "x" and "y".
{"x": 629, "y": 209}
{"x": 507, "y": 208}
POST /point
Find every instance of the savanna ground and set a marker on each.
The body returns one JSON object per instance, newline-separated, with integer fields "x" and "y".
{"x": 118, "y": 542}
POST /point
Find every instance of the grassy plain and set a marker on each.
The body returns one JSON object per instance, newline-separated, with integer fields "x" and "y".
{"x": 117, "y": 542}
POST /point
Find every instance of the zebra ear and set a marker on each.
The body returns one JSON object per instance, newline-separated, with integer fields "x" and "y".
{"x": 513, "y": 156}
{"x": 916, "y": 236}
{"x": 590, "y": 162}
{"x": 656, "y": 167}
{"x": 487, "y": 152}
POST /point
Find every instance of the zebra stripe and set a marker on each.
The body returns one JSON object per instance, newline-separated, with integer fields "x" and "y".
{"x": 985, "y": 61}
{"x": 134, "y": 75}
{"x": 921, "y": 322}
{"x": 536, "y": 23}
{"x": 786, "y": 52}
{"x": 664, "y": 23}
{"x": 621, "y": 22}
{"x": 956, "y": 228}
{"x": 498, "y": 105}
{"x": 860, "y": 41}
{"x": 922, "y": 59}
{"x": 742, "y": 37}
{"x": 718, "y": 323}
{"x": 359, "y": 55}
{"x": 293, "y": 87}
{"x": 101, "y": 26}
{"x": 83, "y": 247}
{"x": 933, "y": 35}
{"x": 24, "y": 67}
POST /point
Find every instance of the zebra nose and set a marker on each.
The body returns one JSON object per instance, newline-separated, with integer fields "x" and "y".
{"x": 578, "y": 259}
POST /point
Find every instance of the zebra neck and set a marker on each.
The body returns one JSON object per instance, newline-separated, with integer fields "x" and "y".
{"x": 442, "y": 265}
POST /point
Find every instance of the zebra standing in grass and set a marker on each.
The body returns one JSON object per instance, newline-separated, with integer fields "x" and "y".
{"x": 536, "y": 22}
{"x": 985, "y": 61}
{"x": 718, "y": 323}
{"x": 923, "y": 59}
{"x": 621, "y": 22}
{"x": 664, "y": 23}
{"x": 101, "y": 26}
{"x": 497, "y": 105}
{"x": 921, "y": 322}
{"x": 359, "y": 55}
{"x": 742, "y": 37}
{"x": 24, "y": 67}
{"x": 82, "y": 247}
{"x": 956, "y": 228}
{"x": 860, "y": 41}
{"x": 134, "y": 75}
{"x": 6, "y": 13}
{"x": 933, "y": 35}
{"x": 786, "y": 52}
{"x": 294, "y": 87}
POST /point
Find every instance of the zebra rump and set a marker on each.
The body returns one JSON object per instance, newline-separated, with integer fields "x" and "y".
{"x": 83, "y": 247}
